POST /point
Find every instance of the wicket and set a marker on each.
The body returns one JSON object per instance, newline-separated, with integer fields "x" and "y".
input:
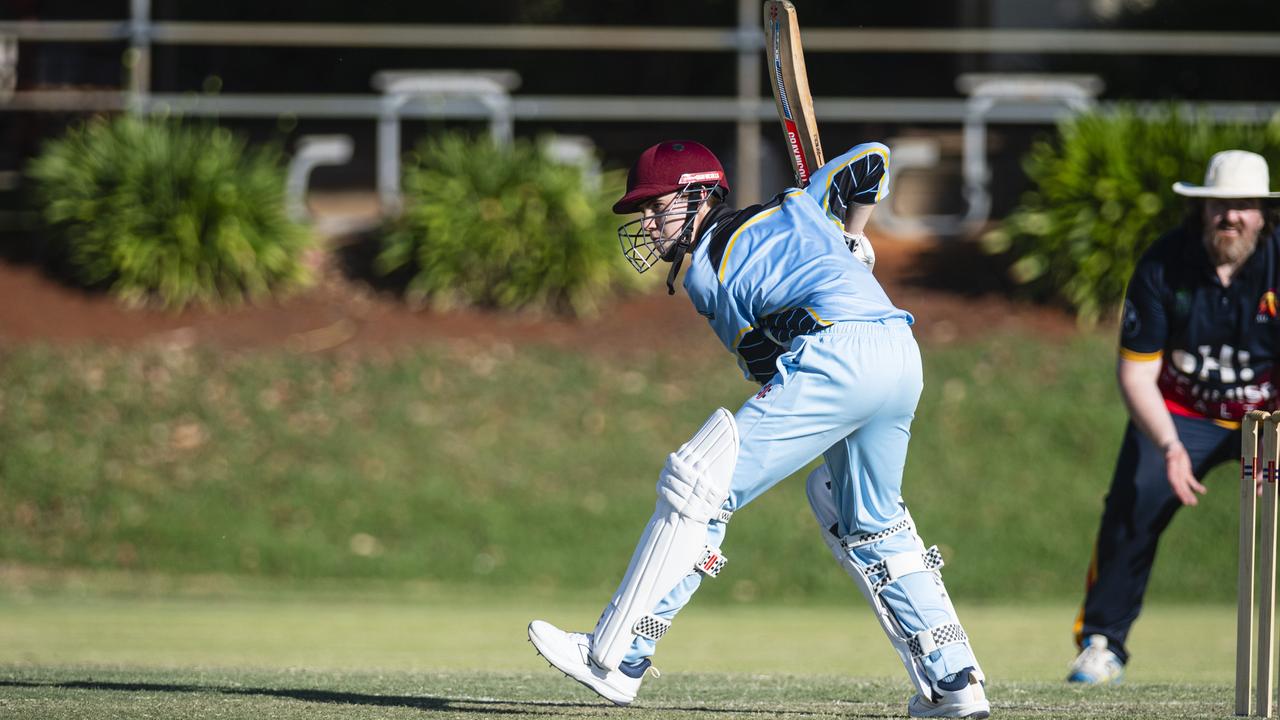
{"x": 1257, "y": 428}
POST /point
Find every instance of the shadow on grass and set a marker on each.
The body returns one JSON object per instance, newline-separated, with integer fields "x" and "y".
{"x": 457, "y": 705}
{"x": 487, "y": 707}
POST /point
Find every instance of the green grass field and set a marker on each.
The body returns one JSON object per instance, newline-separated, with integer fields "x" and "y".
{"x": 191, "y": 534}
{"x": 495, "y": 466}
{"x": 122, "y": 646}
{"x": 355, "y": 695}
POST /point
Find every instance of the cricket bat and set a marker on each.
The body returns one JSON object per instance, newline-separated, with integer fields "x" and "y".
{"x": 791, "y": 88}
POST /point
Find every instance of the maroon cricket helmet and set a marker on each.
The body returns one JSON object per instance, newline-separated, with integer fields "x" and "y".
{"x": 667, "y": 167}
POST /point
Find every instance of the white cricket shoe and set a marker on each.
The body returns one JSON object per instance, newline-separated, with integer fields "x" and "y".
{"x": 570, "y": 653}
{"x": 1096, "y": 665}
{"x": 958, "y": 695}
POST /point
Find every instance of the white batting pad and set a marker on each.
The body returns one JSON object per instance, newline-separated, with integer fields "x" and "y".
{"x": 873, "y": 578}
{"x": 691, "y": 490}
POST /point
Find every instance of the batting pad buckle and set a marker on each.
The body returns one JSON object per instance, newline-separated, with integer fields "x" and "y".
{"x": 711, "y": 562}
{"x": 651, "y": 627}
{"x": 896, "y": 566}
{"x": 927, "y": 641}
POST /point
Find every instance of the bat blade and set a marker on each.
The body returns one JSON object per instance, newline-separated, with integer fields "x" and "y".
{"x": 790, "y": 84}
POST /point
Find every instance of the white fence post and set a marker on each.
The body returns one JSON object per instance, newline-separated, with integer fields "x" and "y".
{"x": 311, "y": 152}
{"x": 490, "y": 88}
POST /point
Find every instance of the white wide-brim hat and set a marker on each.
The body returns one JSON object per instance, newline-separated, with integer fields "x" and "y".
{"x": 1232, "y": 174}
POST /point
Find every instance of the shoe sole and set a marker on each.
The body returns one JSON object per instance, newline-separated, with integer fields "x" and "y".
{"x": 974, "y": 715}
{"x": 975, "y": 711}
{"x": 1089, "y": 681}
{"x": 551, "y": 663}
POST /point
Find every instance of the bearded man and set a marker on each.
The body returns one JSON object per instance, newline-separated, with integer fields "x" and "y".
{"x": 1198, "y": 349}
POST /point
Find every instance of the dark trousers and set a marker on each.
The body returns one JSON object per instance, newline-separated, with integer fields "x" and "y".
{"x": 1139, "y": 507}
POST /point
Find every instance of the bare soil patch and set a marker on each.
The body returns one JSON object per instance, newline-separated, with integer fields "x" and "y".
{"x": 954, "y": 291}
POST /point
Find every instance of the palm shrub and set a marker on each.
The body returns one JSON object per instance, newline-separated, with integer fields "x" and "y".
{"x": 168, "y": 211}
{"x": 504, "y": 227}
{"x": 1102, "y": 195}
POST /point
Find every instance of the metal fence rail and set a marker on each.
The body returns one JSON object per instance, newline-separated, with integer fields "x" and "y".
{"x": 596, "y": 108}
{"x": 750, "y": 107}
{"x": 653, "y": 39}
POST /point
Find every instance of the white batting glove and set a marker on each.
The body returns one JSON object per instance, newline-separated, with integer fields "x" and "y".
{"x": 860, "y": 246}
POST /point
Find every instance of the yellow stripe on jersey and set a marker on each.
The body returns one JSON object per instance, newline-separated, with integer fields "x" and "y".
{"x": 815, "y": 315}
{"x": 1228, "y": 424}
{"x": 742, "y": 332}
{"x": 809, "y": 310}
{"x": 826, "y": 195}
{"x": 1135, "y": 356}
{"x": 724, "y": 261}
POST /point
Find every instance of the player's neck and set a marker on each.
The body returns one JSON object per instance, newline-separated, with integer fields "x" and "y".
{"x": 1227, "y": 260}
{"x": 1227, "y": 269}
{"x": 699, "y": 224}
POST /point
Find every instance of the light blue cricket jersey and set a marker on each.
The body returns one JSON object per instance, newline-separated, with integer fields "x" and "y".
{"x": 769, "y": 273}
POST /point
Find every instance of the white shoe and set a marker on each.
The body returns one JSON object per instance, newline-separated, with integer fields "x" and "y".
{"x": 958, "y": 695}
{"x": 1096, "y": 665}
{"x": 570, "y": 653}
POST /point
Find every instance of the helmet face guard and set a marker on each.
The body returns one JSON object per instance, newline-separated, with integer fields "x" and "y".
{"x": 643, "y": 248}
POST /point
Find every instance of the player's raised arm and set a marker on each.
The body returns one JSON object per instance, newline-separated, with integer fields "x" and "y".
{"x": 848, "y": 189}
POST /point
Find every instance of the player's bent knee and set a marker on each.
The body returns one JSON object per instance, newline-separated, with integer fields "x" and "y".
{"x": 695, "y": 481}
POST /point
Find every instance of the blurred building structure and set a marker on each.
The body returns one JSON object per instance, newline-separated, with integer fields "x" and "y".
{"x": 627, "y": 76}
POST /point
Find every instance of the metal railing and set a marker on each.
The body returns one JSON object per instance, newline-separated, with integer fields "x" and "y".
{"x": 747, "y": 109}
{"x": 652, "y": 39}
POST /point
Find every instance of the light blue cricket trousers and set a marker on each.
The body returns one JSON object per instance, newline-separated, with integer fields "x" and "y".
{"x": 848, "y": 393}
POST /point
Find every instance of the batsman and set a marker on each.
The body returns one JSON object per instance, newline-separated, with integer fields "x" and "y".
{"x": 787, "y": 287}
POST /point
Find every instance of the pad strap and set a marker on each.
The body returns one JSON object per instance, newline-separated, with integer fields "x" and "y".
{"x": 711, "y": 562}
{"x": 651, "y": 627}
{"x": 850, "y": 542}
{"x": 927, "y": 641}
{"x": 896, "y": 566}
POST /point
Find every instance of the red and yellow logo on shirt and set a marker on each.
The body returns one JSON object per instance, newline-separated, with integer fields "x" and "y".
{"x": 1267, "y": 305}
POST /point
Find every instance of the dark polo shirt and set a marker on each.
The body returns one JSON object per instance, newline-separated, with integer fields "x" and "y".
{"x": 1217, "y": 345}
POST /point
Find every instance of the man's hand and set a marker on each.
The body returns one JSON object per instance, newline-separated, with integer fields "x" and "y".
{"x": 860, "y": 246}
{"x": 1177, "y": 465}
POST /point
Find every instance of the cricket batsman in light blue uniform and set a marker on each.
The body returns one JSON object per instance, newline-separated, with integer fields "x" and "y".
{"x": 787, "y": 287}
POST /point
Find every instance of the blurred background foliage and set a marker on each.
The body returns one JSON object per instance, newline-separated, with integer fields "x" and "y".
{"x": 526, "y": 467}
{"x": 167, "y": 211}
{"x": 506, "y": 227}
{"x": 1102, "y": 194}
{"x": 176, "y": 212}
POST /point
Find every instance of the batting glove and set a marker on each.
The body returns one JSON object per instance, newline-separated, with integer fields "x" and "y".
{"x": 860, "y": 246}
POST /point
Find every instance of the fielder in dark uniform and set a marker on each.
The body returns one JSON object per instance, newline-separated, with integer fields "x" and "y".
{"x": 1198, "y": 349}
